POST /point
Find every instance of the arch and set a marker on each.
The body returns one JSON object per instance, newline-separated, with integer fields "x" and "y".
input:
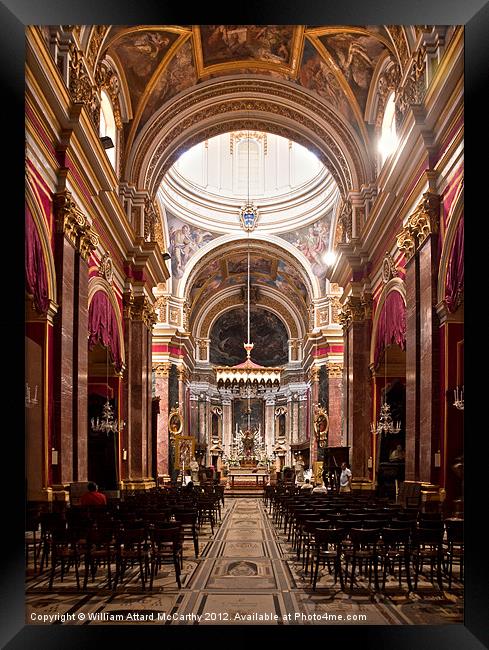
{"x": 212, "y": 251}
{"x": 226, "y": 301}
{"x": 453, "y": 218}
{"x": 217, "y": 106}
{"x": 396, "y": 284}
{"x": 100, "y": 284}
{"x": 41, "y": 222}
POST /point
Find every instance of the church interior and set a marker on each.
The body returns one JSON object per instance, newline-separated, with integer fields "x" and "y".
{"x": 244, "y": 272}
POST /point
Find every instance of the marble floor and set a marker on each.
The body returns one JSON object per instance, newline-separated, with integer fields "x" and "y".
{"x": 246, "y": 573}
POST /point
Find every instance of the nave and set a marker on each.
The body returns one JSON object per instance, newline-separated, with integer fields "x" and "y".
{"x": 247, "y": 572}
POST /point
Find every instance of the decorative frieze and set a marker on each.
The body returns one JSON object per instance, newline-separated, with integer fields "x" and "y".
{"x": 160, "y": 307}
{"x": 423, "y": 222}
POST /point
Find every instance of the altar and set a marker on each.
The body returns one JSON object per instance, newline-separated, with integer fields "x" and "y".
{"x": 244, "y": 476}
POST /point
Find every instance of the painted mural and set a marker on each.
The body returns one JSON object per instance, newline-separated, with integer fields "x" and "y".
{"x": 267, "y": 332}
{"x": 312, "y": 241}
{"x": 357, "y": 57}
{"x": 222, "y": 43}
{"x": 185, "y": 240}
{"x": 141, "y": 53}
{"x": 315, "y": 75}
{"x": 179, "y": 74}
{"x": 257, "y": 265}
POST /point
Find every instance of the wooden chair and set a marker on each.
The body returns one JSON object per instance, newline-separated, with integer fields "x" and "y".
{"x": 100, "y": 550}
{"x": 328, "y": 546}
{"x": 364, "y": 548}
{"x": 427, "y": 546}
{"x": 396, "y": 548}
{"x": 166, "y": 543}
{"x": 65, "y": 552}
{"x": 455, "y": 547}
{"x": 132, "y": 547}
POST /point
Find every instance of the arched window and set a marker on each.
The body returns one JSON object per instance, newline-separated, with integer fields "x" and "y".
{"x": 388, "y": 137}
{"x": 254, "y": 164}
{"x": 107, "y": 126}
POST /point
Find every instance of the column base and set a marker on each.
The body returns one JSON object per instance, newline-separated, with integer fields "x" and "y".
{"x": 61, "y": 492}
{"x": 44, "y": 495}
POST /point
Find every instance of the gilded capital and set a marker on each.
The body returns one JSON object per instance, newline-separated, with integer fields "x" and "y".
{"x": 69, "y": 219}
{"x": 334, "y": 370}
{"x": 128, "y": 304}
{"x": 314, "y": 373}
{"x": 406, "y": 243}
{"x": 88, "y": 242}
{"x": 162, "y": 369}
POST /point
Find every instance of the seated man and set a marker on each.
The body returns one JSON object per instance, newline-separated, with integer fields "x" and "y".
{"x": 93, "y": 497}
{"x": 307, "y": 486}
{"x": 319, "y": 488}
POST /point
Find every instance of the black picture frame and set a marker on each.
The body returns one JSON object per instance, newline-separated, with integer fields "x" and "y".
{"x": 14, "y": 15}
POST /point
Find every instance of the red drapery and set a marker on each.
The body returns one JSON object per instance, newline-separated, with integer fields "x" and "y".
{"x": 102, "y": 327}
{"x": 35, "y": 266}
{"x": 391, "y": 327}
{"x": 454, "y": 285}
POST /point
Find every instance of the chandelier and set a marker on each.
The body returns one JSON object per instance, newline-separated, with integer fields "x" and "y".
{"x": 248, "y": 379}
{"x": 385, "y": 423}
{"x": 458, "y": 396}
{"x": 106, "y": 424}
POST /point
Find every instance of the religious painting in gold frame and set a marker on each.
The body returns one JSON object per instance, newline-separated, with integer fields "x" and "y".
{"x": 175, "y": 423}
{"x": 184, "y": 451}
{"x": 321, "y": 425}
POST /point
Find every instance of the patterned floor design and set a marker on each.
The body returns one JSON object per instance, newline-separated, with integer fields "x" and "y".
{"x": 246, "y": 573}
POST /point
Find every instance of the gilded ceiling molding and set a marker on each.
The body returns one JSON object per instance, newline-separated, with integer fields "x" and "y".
{"x": 422, "y": 222}
{"x": 96, "y": 37}
{"x": 396, "y": 32}
{"x": 412, "y": 90}
{"x": 288, "y": 110}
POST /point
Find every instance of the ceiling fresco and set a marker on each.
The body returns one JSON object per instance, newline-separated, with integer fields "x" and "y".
{"x": 141, "y": 53}
{"x": 184, "y": 241}
{"x": 267, "y": 332}
{"x": 336, "y": 63}
{"x": 313, "y": 242}
{"x": 221, "y": 43}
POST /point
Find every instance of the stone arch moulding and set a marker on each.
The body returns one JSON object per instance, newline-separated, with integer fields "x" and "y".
{"x": 269, "y": 243}
{"x": 41, "y": 221}
{"x": 223, "y": 105}
{"x": 396, "y": 284}
{"x": 100, "y": 284}
{"x": 203, "y": 324}
{"x": 453, "y": 221}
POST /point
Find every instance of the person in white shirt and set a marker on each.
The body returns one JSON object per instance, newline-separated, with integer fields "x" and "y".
{"x": 307, "y": 486}
{"x": 345, "y": 479}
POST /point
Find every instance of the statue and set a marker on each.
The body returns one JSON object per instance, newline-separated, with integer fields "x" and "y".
{"x": 248, "y": 440}
{"x": 194, "y": 469}
{"x": 299, "y": 469}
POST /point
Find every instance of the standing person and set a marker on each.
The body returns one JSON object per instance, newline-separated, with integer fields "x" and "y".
{"x": 93, "y": 497}
{"x": 345, "y": 478}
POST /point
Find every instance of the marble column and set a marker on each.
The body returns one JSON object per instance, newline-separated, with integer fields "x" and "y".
{"x": 269, "y": 425}
{"x": 314, "y": 379}
{"x": 80, "y": 367}
{"x": 227, "y": 425}
{"x": 181, "y": 398}
{"x": 162, "y": 371}
{"x": 335, "y": 401}
{"x": 358, "y": 398}
{"x": 419, "y": 242}
{"x": 63, "y": 359}
{"x": 139, "y": 376}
